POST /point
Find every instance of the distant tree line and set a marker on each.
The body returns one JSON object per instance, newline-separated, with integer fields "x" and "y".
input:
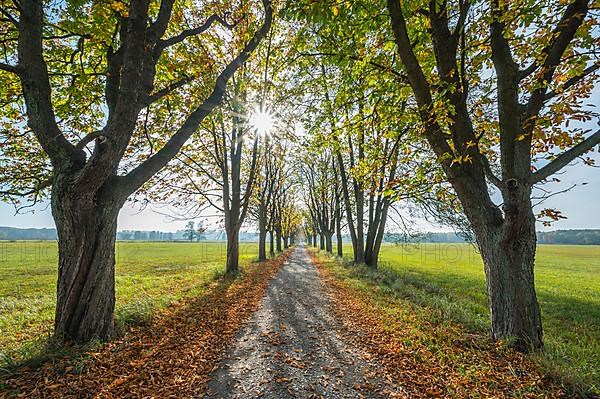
{"x": 140, "y": 235}
{"x": 573, "y": 237}
{"x": 15, "y": 233}
{"x": 579, "y": 237}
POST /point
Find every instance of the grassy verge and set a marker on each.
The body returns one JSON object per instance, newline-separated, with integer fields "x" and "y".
{"x": 149, "y": 276}
{"x": 172, "y": 356}
{"x": 444, "y": 283}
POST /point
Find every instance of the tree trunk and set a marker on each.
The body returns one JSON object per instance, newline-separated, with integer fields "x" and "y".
{"x": 338, "y": 228}
{"x": 271, "y": 243}
{"x": 328, "y": 243}
{"x": 322, "y": 241}
{"x": 286, "y": 242}
{"x": 278, "y": 236}
{"x": 262, "y": 239}
{"x": 372, "y": 260}
{"x": 314, "y": 241}
{"x": 508, "y": 255}
{"x": 233, "y": 251}
{"x": 86, "y": 264}
{"x": 360, "y": 235}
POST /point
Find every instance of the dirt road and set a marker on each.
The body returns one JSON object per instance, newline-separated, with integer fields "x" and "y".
{"x": 292, "y": 348}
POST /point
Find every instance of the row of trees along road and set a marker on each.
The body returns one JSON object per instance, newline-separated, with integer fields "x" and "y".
{"x": 490, "y": 87}
{"x": 236, "y": 163}
{"x": 462, "y": 108}
{"x": 87, "y": 81}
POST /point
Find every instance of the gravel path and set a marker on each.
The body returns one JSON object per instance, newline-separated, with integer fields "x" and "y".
{"x": 292, "y": 348}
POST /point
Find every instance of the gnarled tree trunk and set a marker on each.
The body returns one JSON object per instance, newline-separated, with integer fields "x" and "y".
{"x": 87, "y": 229}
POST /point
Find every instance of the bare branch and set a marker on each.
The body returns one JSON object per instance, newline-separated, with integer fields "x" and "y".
{"x": 40, "y": 186}
{"x": 563, "y": 159}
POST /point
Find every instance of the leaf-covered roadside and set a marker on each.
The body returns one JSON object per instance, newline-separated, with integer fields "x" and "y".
{"x": 429, "y": 358}
{"x": 170, "y": 358}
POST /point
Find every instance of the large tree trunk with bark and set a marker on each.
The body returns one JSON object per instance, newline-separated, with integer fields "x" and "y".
{"x": 508, "y": 255}
{"x": 87, "y": 228}
{"x": 507, "y": 244}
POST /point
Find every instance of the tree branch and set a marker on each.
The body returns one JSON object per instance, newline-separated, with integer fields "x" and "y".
{"x": 464, "y": 7}
{"x": 416, "y": 77}
{"x": 89, "y": 138}
{"x": 563, "y": 159}
{"x": 9, "y": 17}
{"x": 159, "y": 26}
{"x": 403, "y": 78}
{"x": 39, "y": 187}
{"x": 489, "y": 173}
{"x": 552, "y": 54}
{"x": 16, "y": 69}
{"x": 571, "y": 82}
{"x": 36, "y": 85}
{"x": 162, "y": 44}
{"x": 150, "y": 166}
{"x": 163, "y": 92}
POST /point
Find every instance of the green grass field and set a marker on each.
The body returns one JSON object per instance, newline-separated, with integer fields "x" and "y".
{"x": 148, "y": 276}
{"x": 448, "y": 281}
